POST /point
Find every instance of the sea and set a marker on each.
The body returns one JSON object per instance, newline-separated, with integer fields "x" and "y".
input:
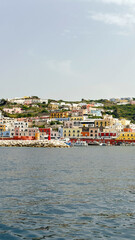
{"x": 79, "y": 193}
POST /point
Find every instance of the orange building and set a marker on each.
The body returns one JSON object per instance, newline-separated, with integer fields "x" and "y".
{"x": 91, "y": 132}
{"x": 127, "y": 129}
{"x": 85, "y": 132}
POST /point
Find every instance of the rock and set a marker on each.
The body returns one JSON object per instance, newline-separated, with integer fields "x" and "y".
{"x": 33, "y": 143}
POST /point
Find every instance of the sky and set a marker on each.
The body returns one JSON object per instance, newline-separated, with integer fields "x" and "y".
{"x": 67, "y": 49}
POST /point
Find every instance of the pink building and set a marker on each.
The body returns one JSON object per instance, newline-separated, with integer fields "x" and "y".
{"x": 12, "y": 110}
{"x": 132, "y": 102}
{"x": 27, "y": 132}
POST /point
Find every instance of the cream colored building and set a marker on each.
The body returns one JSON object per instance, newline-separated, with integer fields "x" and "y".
{"x": 53, "y": 106}
{"x": 77, "y": 118}
{"x": 125, "y": 122}
{"x": 72, "y": 132}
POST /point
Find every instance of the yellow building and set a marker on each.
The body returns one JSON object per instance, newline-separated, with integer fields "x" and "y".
{"x": 59, "y": 115}
{"x": 78, "y": 118}
{"x": 26, "y": 97}
{"x": 72, "y": 132}
{"x": 2, "y": 127}
{"x": 103, "y": 122}
{"x": 126, "y": 136}
{"x": 123, "y": 101}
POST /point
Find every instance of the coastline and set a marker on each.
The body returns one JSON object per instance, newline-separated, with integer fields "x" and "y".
{"x": 33, "y": 143}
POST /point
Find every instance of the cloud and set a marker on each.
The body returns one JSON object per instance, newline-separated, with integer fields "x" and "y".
{"x": 120, "y": 2}
{"x": 121, "y": 20}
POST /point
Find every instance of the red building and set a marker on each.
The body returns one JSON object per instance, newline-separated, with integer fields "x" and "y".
{"x": 107, "y": 135}
{"x": 45, "y": 131}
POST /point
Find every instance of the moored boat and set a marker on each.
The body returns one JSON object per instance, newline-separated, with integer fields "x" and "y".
{"x": 94, "y": 143}
{"x": 80, "y": 144}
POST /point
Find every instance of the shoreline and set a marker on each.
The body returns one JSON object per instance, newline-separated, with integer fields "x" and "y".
{"x": 33, "y": 143}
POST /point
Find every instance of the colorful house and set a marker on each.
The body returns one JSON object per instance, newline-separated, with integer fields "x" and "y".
{"x": 59, "y": 115}
{"x": 77, "y": 118}
{"x": 45, "y": 132}
{"x": 12, "y": 110}
{"x": 72, "y": 132}
{"x": 107, "y": 135}
{"x": 90, "y": 132}
{"x": 126, "y": 136}
{"x": 53, "y": 106}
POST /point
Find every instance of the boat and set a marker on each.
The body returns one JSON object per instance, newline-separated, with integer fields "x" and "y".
{"x": 66, "y": 141}
{"x": 103, "y": 144}
{"x": 80, "y": 144}
{"x": 94, "y": 143}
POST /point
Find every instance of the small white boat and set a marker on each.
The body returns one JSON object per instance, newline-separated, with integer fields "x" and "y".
{"x": 80, "y": 144}
{"x": 94, "y": 143}
{"x": 66, "y": 140}
{"x": 102, "y": 144}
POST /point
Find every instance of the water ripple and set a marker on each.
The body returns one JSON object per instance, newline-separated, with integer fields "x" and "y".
{"x": 78, "y": 194}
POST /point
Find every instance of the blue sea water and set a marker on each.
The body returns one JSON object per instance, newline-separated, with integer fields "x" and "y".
{"x": 79, "y": 193}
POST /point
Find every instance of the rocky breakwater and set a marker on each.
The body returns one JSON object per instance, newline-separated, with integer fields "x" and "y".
{"x": 33, "y": 143}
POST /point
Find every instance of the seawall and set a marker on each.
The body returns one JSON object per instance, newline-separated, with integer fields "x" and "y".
{"x": 33, "y": 143}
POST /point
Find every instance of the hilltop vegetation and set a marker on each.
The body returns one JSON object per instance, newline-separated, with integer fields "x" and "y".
{"x": 122, "y": 111}
{"x": 28, "y": 110}
{"x": 39, "y": 109}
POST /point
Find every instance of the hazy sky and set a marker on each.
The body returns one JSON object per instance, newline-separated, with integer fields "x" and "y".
{"x": 67, "y": 49}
